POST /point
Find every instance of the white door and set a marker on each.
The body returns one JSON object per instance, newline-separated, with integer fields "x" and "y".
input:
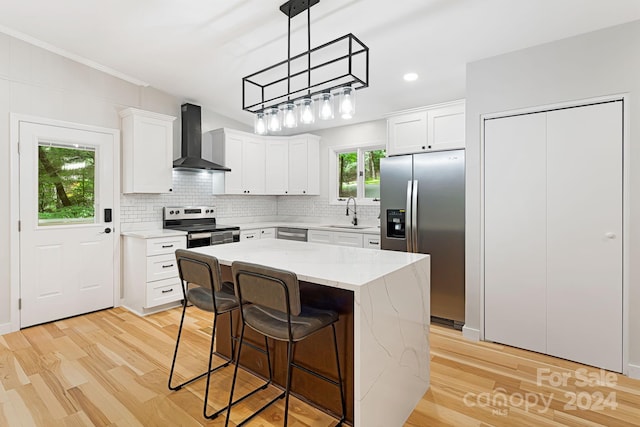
{"x": 277, "y": 167}
{"x": 515, "y": 231}
{"x": 298, "y": 166}
{"x": 67, "y": 246}
{"x": 584, "y": 234}
{"x": 253, "y": 164}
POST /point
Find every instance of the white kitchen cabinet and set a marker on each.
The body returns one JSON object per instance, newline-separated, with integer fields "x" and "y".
{"x": 339, "y": 238}
{"x": 277, "y": 166}
{"x": 268, "y": 233}
{"x": 433, "y": 128}
{"x": 147, "y": 151}
{"x": 150, "y": 273}
{"x": 553, "y": 233}
{"x": 263, "y": 164}
{"x": 241, "y": 152}
{"x": 371, "y": 242}
{"x": 304, "y": 165}
{"x": 259, "y": 233}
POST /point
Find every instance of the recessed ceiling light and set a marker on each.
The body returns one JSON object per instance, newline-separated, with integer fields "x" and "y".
{"x": 410, "y": 77}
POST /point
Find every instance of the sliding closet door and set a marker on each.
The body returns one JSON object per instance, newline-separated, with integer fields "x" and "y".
{"x": 515, "y": 231}
{"x": 584, "y": 234}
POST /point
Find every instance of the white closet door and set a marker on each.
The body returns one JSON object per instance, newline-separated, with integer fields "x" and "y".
{"x": 515, "y": 231}
{"x": 584, "y": 234}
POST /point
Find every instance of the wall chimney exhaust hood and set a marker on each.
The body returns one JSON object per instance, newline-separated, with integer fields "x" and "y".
{"x": 192, "y": 142}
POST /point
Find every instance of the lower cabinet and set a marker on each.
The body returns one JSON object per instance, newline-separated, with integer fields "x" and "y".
{"x": 371, "y": 242}
{"x": 258, "y": 233}
{"x": 150, "y": 273}
{"x": 339, "y": 238}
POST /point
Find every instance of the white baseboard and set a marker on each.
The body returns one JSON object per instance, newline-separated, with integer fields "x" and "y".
{"x": 470, "y": 333}
{"x": 634, "y": 371}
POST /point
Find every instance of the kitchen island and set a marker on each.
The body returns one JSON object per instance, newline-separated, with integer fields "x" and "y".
{"x": 383, "y": 301}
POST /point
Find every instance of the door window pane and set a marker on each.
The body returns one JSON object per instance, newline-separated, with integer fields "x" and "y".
{"x": 372, "y": 173}
{"x": 348, "y": 174}
{"x": 66, "y": 178}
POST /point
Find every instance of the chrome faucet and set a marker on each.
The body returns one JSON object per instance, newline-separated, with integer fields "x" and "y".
{"x": 354, "y": 221}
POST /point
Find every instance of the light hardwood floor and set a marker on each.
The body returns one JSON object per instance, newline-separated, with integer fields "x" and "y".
{"x": 110, "y": 368}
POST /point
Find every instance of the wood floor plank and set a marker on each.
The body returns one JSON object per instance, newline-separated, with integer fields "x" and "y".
{"x": 110, "y": 368}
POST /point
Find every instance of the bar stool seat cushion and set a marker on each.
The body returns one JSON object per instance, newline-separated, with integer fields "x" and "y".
{"x": 225, "y": 298}
{"x": 273, "y": 323}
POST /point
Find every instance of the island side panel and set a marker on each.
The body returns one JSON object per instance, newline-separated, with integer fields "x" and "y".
{"x": 315, "y": 352}
{"x": 392, "y": 317}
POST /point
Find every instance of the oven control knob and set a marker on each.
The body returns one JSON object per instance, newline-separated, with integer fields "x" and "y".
{"x": 177, "y": 212}
{"x": 170, "y": 212}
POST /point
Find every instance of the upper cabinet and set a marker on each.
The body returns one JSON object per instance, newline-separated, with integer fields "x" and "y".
{"x": 304, "y": 165}
{"x": 241, "y": 152}
{"x": 263, "y": 164}
{"x": 434, "y": 128}
{"x": 147, "y": 151}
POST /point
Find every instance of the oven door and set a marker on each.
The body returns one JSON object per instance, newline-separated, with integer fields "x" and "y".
{"x": 221, "y": 237}
{"x": 196, "y": 240}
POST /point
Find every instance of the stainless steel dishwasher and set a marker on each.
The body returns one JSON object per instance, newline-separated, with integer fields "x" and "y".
{"x": 287, "y": 233}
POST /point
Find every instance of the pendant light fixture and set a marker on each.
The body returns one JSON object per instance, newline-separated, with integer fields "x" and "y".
{"x": 347, "y": 102}
{"x": 273, "y": 120}
{"x": 260, "y": 123}
{"x": 342, "y": 69}
{"x": 325, "y": 106}
{"x": 307, "y": 116}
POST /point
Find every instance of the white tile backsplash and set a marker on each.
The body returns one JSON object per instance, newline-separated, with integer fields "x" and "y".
{"x": 193, "y": 188}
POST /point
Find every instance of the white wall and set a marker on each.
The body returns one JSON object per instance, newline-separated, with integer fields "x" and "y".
{"x": 596, "y": 64}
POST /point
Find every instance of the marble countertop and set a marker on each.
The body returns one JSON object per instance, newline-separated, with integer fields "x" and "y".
{"x": 309, "y": 226}
{"x": 153, "y": 233}
{"x": 336, "y": 266}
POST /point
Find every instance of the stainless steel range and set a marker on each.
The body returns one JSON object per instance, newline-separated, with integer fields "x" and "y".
{"x": 200, "y": 224}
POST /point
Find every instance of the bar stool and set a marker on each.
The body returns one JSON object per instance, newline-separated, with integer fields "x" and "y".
{"x": 210, "y": 294}
{"x": 270, "y": 304}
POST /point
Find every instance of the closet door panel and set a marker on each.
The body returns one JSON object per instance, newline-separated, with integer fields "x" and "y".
{"x": 515, "y": 231}
{"x": 584, "y": 234}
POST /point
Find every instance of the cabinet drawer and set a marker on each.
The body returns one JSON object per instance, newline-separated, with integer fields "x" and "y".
{"x": 163, "y": 291}
{"x": 317, "y": 236}
{"x": 250, "y": 235}
{"x": 348, "y": 239}
{"x": 165, "y": 245}
{"x": 161, "y": 267}
{"x": 372, "y": 242}
{"x": 268, "y": 233}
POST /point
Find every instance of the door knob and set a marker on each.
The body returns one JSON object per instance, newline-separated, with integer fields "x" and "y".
{"x": 610, "y": 235}
{"x": 106, "y": 231}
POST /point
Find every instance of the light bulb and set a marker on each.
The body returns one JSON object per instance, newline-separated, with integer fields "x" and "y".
{"x": 347, "y": 102}
{"x": 273, "y": 121}
{"x": 260, "y": 124}
{"x": 289, "y": 115}
{"x": 306, "y": 111}
{"x": 326, "y": 106}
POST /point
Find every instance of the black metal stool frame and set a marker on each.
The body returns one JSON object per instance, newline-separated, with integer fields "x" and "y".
{"x": 290, "y": 363}
{"x": 210, "y": 370}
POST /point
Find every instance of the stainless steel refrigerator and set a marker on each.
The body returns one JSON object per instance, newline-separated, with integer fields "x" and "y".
{"x": 422, "y": 210}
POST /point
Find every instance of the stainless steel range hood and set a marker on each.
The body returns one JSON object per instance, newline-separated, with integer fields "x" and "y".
{"x": 192, "y": 142}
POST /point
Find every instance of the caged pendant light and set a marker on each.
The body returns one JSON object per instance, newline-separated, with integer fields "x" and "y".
{"x": 288, "y": 93}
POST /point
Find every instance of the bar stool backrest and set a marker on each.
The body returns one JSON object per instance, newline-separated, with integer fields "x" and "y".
{"x": 268, "y": 287}
{"x": 199, "y": 269}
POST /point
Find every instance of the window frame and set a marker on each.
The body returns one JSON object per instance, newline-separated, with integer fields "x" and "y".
{"x": 334, "y": 199}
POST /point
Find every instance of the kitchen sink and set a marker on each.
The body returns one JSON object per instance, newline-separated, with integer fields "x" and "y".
{"x": 352, "y": 227}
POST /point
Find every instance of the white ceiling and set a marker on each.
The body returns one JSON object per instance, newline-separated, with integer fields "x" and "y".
{"x": 199, "y": 50}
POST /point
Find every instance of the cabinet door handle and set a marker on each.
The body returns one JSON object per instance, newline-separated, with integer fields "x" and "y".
{"x": 167, "y": 246}
{"x": 167, "y": 266}
{"x": 250, "y": 237}
{"x": 166, "y": 291}
{"x": 373, "y": 242}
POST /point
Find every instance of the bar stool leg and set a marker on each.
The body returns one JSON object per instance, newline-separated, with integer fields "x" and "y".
{"x": 175, "y": 353}
{"x": 342, "y": 400}
{"x": 290, "y": 347}
{"x": 235, "y": 375}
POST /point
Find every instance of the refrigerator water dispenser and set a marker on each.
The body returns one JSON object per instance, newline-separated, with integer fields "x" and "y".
{"x": 396, "y": 223}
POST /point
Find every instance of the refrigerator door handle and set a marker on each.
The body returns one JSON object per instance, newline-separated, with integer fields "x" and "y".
{"x": 414, "y": 216}
{"x": 408, "y": 218}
